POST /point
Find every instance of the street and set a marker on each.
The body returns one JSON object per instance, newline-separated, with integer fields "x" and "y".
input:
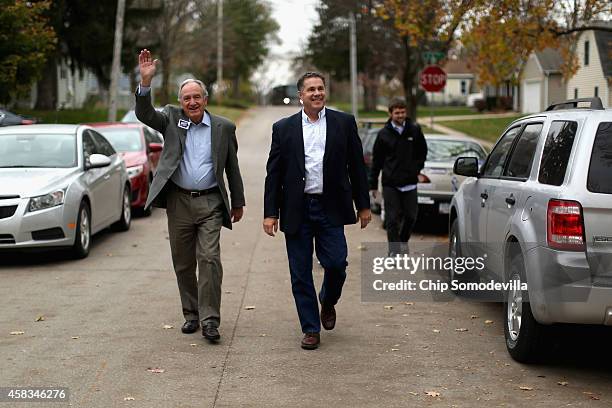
{"x": 101, "y": 327}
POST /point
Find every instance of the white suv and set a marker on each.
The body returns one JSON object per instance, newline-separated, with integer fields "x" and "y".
{"x": 540, "y": 208}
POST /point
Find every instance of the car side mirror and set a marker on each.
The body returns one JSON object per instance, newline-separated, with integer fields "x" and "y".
{"x": 96, "y": 161}
{"x": 466, "y": 166}
{"x": 155, "y": 147}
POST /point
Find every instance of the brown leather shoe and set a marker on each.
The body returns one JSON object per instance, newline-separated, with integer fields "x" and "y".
{"x": 328, "y": 317}
{"x": 311, "y": 341}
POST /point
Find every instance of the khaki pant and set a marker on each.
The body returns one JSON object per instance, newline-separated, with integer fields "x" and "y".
{"x": 194, "y": 226}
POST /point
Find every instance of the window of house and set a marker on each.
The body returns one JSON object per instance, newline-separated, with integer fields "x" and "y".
{"x": 596, "y": 91}
{"x": 463, "y": 87}
{"x": 575, "y": 93}
{"x": 586, "y": 53}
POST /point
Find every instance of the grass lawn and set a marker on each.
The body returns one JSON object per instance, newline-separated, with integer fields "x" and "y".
{"x": 486, "y": 129}
{"x": 101, "y": 115}
{"x": 422, "y": 111}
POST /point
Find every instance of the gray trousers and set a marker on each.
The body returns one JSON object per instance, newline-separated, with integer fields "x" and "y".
{"x": 194, "y": 227}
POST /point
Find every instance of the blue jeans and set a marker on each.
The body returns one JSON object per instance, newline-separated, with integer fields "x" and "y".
{"x": 331, "y": 250}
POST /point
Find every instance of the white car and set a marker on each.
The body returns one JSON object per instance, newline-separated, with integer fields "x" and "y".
{"x": 59, "y": 184}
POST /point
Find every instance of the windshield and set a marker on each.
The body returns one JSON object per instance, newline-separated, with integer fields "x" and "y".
{"x": 449, "y": 150}
{"x": 123, "y": 140}
{"x": 38, "y": 150}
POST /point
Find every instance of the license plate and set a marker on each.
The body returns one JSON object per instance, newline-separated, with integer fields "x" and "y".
{"x": 425, "y": 200}
{"x": 444, "y": 208}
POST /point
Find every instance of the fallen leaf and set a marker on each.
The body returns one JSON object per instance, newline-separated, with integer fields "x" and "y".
{"x": 263, "y": 335}
{"x": 17, "y": 333}
{"x": 404, "y": 315}
{"x": 524, "y": 388}
{"x": 436, "y": 331}
{"x": 432, "y": 394}
{"x": 563, "y": 383}
{"x": 109, "y": 254}
{"x": 156, "y": 370}
{"x": 394, "y": 349}
{"x": 461, "y": 329}
{"x": 249, "y": 307}
{"x": 412, "y": 393}
{"x": 40, "y": 318}
{"x": 474, "y": 317}
{"x": 129, "y": 399}
{"x": 408, "y": 303}
{"x": 193, "y": 345}
{"x": 488, "y": 321}
{"x": 388, "y": 308}
{"x": 75, "y": 337}
{"x": 168, "y": 326}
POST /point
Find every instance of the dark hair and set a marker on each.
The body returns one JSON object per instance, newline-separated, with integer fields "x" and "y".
{"x": 397, "y": 103}
{"x": 300, "y": 82}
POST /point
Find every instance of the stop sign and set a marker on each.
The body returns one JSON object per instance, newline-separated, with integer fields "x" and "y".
{"x": 433, "y": 78}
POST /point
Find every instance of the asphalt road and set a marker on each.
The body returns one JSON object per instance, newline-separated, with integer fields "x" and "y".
{"x": 96, "y": 326}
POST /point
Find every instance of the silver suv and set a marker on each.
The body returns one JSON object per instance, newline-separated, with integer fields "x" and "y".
{"x": 540, "y": 208}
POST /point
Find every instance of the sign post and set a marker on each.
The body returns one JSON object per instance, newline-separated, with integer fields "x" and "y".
{"x": 433, "y": 79}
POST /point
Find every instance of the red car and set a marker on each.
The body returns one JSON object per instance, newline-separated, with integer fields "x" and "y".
{"x": 140, "y": 147}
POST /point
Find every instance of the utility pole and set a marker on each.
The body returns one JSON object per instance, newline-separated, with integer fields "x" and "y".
{"x": 115, "y": 70}
{"x": 220, "y": 52}
{"x": 353, "y": 41}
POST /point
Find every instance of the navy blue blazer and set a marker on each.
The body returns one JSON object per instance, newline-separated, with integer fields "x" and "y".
{"x": 344, "y": 172}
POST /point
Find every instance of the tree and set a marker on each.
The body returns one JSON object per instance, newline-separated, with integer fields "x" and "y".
{"x": 505, "y": 32}
{"x": 379, "y": 49}
{"x": 426, "y": 25}
{"x": 26, "y": 40}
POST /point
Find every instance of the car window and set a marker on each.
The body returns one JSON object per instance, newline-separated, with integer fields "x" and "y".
{"x": 37, "y": 149}
{"x": 599, "y": 180}
{"x": 556, "y": 153}
{"x": 104, "y": 147}
{"x": 495, "y": 163}
{"x": 123, "y": 139}
{"x": 89, "y": 147}
{"x": 519, "y": 164}
{"x": 442, "y": 150}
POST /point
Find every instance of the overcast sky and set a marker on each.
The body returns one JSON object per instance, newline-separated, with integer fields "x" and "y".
{"x": 296, "y": 19}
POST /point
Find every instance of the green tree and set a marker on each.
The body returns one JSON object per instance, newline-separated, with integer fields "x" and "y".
{"x": 26, "y": 40}
{"x": 379, "y": 48}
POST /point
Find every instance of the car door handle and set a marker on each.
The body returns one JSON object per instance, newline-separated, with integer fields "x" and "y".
{"x": 510, "y": 200}
{"x": 484, "y": 195}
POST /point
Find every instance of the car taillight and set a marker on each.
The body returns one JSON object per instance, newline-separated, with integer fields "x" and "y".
{"x": 27, "y": 122}
{"x": 423, "y": 178}
{"x": 565, "y": 226}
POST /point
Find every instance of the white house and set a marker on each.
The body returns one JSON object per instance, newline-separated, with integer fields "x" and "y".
{"x": 594, "y": 75}
{"x": 542, "y": 82}
{"x": 460, "y": 82}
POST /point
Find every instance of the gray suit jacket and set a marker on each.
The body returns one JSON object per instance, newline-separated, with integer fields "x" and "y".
{"x": 224, "y": 153}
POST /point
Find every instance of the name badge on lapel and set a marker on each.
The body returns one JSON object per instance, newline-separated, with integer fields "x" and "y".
{"x": 183, "y": 124}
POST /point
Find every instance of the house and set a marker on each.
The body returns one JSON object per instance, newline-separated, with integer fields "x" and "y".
{"x": 460, "y": 82}
{"x": 594, "y": 75}
{"x": 542, "y": 82}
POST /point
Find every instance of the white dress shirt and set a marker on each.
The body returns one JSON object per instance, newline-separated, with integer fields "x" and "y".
{"x": 315, "y": 134}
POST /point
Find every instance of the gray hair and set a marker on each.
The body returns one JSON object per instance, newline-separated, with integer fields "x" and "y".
{"x": 197, "y": 81}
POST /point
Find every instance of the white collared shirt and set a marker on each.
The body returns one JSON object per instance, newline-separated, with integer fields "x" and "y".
{"x": 315, "y": 134}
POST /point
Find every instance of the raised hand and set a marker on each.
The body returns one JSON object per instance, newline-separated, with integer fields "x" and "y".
{"x": 147, "y": 66}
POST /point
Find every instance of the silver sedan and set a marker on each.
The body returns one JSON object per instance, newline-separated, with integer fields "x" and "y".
{"x": 59, "y": 184}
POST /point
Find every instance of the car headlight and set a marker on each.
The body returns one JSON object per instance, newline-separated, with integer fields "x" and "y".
{"x": 46, "y": 201}
{"x": 135, "y": 171}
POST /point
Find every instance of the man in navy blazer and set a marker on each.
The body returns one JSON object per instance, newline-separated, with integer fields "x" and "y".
{"x": 315, "y": 172}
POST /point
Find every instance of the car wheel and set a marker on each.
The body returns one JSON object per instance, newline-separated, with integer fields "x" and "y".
{"x": 525, "y": 337}
{"x": 126, "y": 213}
{"x": 82, "y": 238}
{"x": 455, "y": 251}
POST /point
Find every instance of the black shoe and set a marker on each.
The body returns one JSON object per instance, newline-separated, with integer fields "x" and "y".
{"x": 210, "y": 332}
{"x": 190, "y": 326}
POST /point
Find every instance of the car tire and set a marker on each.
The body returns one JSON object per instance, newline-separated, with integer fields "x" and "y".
{"x": 82, "y": 237}
{"x": 126, "y": 213}
{"x": 455, "y": 251}
{"x": 525, "y": 337}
